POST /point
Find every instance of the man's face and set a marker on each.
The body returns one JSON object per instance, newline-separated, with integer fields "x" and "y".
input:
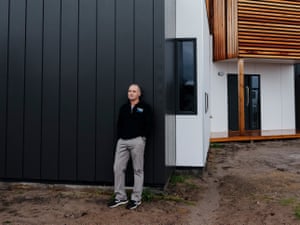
{"x": 133, "y": 93}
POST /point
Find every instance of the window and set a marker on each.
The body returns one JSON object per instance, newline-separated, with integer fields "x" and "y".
{"x": 186, "y": 76}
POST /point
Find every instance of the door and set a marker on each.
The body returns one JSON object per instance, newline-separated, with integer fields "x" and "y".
{"x": 252, "y": 102}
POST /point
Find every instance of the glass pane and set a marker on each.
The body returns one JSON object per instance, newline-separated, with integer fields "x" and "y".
{"x": 186, "y": 76}
{"x": 254, "y": 81}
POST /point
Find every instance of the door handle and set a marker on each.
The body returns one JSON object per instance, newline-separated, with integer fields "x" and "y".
{"x": 247, "y": 95}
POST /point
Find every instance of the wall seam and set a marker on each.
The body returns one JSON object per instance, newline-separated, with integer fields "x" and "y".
{"x": 77, "y": 89}
{"x": 59, "y": 94}
{"x": 133, "y": 41}
{"x": 96, "y": 91}
{"x": 42, "y": 89}
{"x": 115, "y": 64}
{"x": 24, "y": 90}
{"x": 7, "y": 85}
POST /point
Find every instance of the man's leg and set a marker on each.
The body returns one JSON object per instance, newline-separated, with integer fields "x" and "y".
{"x": 137, "y": 148}
{"x": 120, "y": 164}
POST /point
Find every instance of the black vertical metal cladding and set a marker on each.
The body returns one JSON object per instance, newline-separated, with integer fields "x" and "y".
{"x": 124, "y": 57}
{"x": 159, "y": 91}
{"x": 86, "y": 90}
{"x": 33, "y": 88}
{"x": 163, "y": 83}
{"x": 68, "y": 101}
{"x": 105, "y": 112}
{"x": 143, "y": 62}
{"x": 51, "y": 85}
{"x": 4, "y": 15}
{"x": 15, "y": 107}
{"x": 65, "y": 69}
{"x": 124, "y": 49}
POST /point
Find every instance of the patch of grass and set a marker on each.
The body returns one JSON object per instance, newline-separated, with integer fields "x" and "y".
{"x": 293, "y": 202}
{"x": 148, "y": 195}
{"x": 183, "y": 187}
{"x": 192, "y": 186}
{"x": 217, "y": 145}
{"x": 297, "y": 211}
{"x": 288, "y": 201}
{"x": 178, "y": 178}
{"x": 6, "y": 222}
{"x": 175, "y": 198}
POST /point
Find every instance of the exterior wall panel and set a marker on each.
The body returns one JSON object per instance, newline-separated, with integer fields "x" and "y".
{"x": 51, "y": 90}
{"x": 15, "y": 85}
{"x": 192, "y": 131}
{"x": 124, "y": 48}
{"x": 33, "y": 88}
{"x": 169, "y": 133}
{"x": 69, "y": 91}
{"x": 86, "y": 136}
{"x": 143, "y": 64}
{"x": 4, "y": 16}
{"x": 65, "y": 69}
{"x": 106, "y": 110}
{"x": 159, "y": 87}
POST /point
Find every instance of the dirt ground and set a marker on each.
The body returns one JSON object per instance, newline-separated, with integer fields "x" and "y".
{"x": 244, "y": 183}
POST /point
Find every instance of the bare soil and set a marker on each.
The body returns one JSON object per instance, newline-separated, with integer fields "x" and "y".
{"x": 243, "y": 184}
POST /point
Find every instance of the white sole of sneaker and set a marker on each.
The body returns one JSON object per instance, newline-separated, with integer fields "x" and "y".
{"x": 134, "y": 207}
{"x": 118, "y": 204}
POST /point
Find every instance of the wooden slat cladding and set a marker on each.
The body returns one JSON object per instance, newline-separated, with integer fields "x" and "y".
{"x": 255, "y": 29}
{"x": 219, "y": 30}
{"x": 232, "y": 31}
{"x": 269, "y": 29}
{"x": 225, "y": 29}
{"x": 209, "y": 11}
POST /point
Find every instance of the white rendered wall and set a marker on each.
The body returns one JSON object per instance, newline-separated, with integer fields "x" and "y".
{"x": 277, "y": 95}
{"x": 192, "y": 131}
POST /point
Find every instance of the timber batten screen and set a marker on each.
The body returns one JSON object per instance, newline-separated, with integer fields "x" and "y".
{"x": 268, "y": 29}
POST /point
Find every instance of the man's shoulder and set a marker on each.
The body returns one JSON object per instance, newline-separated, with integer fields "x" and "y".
{"x": 144, "y": 105}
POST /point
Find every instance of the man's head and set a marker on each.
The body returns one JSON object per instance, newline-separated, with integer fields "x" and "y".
{"x": 134, "y": 93}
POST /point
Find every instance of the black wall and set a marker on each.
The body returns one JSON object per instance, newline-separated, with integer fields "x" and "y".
{"x": 65, "y": 66}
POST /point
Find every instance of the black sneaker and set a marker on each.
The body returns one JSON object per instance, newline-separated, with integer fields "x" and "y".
{"x": 115, "y": 203}
{"x": 133, "y": 204}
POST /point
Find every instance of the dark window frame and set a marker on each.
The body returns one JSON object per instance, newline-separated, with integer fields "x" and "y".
{"x": 178, "y": 77}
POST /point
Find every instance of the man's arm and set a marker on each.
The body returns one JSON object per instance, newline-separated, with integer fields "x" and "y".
{"x": 148, "y": 120}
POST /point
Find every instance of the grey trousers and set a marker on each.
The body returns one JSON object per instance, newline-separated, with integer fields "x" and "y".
{"x": 125, "y": 148}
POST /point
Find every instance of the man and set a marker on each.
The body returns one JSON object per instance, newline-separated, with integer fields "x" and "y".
{"x": 133, "y": 128}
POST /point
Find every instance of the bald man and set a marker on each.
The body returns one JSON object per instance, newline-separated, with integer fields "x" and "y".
{"x": 133, "y": 128}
